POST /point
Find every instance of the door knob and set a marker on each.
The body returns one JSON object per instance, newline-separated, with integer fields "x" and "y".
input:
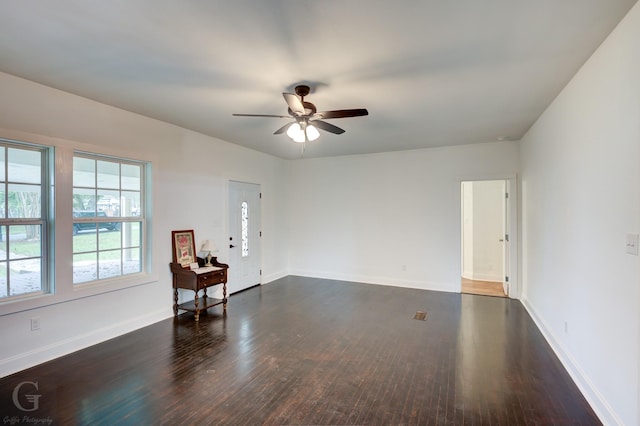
{"x": 231, "y": 246}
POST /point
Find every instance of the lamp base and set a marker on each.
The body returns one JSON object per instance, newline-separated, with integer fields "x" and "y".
{"x": 208, "y": 260}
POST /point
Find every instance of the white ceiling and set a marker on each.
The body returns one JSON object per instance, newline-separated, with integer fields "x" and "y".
{"x": 431, "y": 72}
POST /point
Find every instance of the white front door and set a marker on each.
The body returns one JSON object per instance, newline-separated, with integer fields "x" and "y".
{"x": 244, "y": 236}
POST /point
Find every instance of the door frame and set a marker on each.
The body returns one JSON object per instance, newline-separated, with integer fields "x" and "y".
{"x": 512, "y": 227}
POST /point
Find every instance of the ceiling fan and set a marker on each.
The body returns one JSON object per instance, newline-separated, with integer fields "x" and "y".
{"x": 307, "y": 119}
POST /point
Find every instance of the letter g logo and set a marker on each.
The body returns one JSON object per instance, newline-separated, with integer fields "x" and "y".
{"x": 33, "y": 399}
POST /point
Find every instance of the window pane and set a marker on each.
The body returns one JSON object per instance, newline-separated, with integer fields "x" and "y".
{"x": 109, "y": 202}
{"x": 85, "y": 267}
{"x": 24, "y": 166}
{"x": 84, "y": 241}
{"x": 245, "y": 229}
{"x": 131, "y": 204}
{"x": 3, "y": 210}
{"x": 24, "y": 201}
{"x": 24, "y": 241}
{"x": 84, "y": 172}
{"x": 109, "y": 240}
{"x": 132, "y": 263}
{"x": 24, "y": 277}
{"x": 2, "y": 165}
{"x": 131, "y": 177}
{"x": 110, "y": 264}
{"x": 131, "y": 234}
{"x": 108, "y": 174}
{"x": 3, "y": 243}
{"x": 4, "y": 291}
{"x": 84, "y": 199}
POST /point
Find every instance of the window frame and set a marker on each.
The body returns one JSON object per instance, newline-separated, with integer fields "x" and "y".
{"x": 46, "y": 182}
{"x": 122, "y": 220}
{"x": 60, "y": 224}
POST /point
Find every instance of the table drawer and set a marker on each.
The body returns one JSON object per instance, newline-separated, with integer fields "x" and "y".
{"x": 214, "y": 277}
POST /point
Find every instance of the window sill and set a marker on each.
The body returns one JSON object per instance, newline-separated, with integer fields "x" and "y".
{"x": 77, "y": 291}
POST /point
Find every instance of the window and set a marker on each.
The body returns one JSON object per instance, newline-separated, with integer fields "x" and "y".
{"x": 245, "y": 229}
{"x": 23, "y": 220}
{"x": 108, "y": 217}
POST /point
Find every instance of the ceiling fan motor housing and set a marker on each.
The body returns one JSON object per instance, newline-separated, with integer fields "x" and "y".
{"x": 309, "y": 109}
{"x": 303, "y": 90}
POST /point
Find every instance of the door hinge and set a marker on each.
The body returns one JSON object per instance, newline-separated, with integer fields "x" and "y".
{"x": 261, "y": 233}
{"x": 261, "y": 195}
{"x": 260, "y": 272}
{"x": 506, "y": 195}
{"x": 506, "y": 237}
{"x": 506, "y": 279}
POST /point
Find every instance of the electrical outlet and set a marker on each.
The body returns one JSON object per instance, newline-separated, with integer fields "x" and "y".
{"x": 35, "y": 323}
{"x": 404, "y": 267}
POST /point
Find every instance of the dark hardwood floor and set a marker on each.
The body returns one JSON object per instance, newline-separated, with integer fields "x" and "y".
{"x": 313, "y": 351}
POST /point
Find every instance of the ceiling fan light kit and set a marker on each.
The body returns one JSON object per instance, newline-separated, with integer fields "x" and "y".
{"x": 302, "y": 133}
{"x": 307, "y": 119}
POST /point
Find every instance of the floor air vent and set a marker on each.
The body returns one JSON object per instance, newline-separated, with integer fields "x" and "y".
{"x": 422, "y": 316}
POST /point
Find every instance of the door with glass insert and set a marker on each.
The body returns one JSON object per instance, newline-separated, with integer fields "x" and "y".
{"x": 244, "y": 236}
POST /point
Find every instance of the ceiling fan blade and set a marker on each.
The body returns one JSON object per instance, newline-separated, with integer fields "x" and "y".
{"x": 282, "y": 129}
{"x": 261, "y": 115}
{"x": 343, "y": 113}
{"x": 326, "y": 126}
{"x": 295, "y": 105}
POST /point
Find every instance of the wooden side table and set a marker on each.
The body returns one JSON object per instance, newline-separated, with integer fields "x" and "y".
{"x": 190, "y": 280}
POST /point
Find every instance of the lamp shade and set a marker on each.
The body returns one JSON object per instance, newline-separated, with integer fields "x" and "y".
{"x": 312, "y": 132}
{"x": 294, "y": 131}
{"x": 208, "y": 246}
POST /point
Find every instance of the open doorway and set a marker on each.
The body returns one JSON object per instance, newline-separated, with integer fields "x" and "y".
{"x": 485, "y": 240}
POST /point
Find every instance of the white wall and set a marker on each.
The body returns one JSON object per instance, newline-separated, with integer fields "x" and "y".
{"x": 467, "y": 229}
{"x": 389, "y": 218}
{"x": 190, "y": 185}
{"x": 580, "y": 197}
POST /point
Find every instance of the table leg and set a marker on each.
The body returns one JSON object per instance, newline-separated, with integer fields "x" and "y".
{"x": 175, "y": 302}
{"x": 224, "y": 296}
{"x": 197, "y": 310}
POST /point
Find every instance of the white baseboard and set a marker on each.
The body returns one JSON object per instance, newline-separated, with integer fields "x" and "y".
{"x": 60, "y": 348}
{"x": 603, "y": 410}
{"x": 272, "y": 277}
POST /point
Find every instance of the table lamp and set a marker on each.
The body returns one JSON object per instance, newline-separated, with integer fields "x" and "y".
{"x": 208, "y": 247}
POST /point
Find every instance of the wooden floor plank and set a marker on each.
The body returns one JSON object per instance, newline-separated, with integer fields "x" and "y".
{"x": 483, "y": 288}
{"x": 314, "y": 351}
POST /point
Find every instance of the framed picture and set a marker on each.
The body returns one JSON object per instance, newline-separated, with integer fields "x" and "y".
{"x": 184, "y": 248}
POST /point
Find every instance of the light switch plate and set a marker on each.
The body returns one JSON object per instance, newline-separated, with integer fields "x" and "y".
{"x": 632, "y": 244}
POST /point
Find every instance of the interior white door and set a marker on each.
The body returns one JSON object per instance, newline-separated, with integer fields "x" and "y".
{"x": 244, "y": 236}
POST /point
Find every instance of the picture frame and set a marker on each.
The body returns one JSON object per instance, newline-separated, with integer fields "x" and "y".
{"x": 184, "y": 248}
